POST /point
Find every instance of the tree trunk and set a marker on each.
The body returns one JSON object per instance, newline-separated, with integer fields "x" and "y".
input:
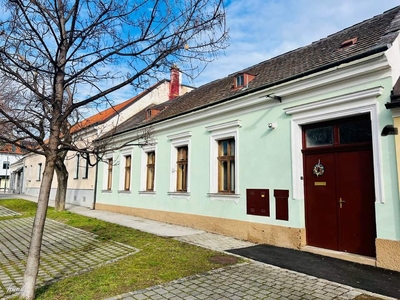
{"x": 33, "y": 261}
{"x": 62, "y": 185}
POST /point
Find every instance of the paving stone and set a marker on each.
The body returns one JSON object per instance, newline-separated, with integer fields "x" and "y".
{"x": 251, "y": 277}
{"x": 62, "y": 250}
{"x": 65, "y": 251}
{"x": 5, "y": 212}
{"x": 140, "y": 297}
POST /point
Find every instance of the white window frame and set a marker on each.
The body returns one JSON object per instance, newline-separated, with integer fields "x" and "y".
{"x": 77, "y": 166}
{"x": 145, "y": 150}
{"x": 124, "y": 153}
{"x": 347, "y": 105}
{"x": 39, "y": 175}
{"x": 179, "y": 140}
{"x": 86, "y": 170}
{"x": 6, "y": 165}
{"x": 106, "y": 158}
{"x": 219, "y": 132}
{"x": 239, "y": 80}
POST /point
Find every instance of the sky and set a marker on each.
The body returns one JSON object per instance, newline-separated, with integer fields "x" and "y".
{"x": 262, "y": 29}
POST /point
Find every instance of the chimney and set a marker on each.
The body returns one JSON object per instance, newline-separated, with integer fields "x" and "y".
{"x": 174, "y": 84}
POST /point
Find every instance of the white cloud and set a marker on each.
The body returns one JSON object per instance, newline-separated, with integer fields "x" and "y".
{"x": 261, "y": 29}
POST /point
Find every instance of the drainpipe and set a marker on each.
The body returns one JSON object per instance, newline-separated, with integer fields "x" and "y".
{"x": 5, "y": 178}
{"x": 22, "y": 182}
{"x": 95, "y": 184}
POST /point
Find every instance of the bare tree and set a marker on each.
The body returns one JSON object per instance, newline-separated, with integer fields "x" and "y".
{"x": 61, "y": 56}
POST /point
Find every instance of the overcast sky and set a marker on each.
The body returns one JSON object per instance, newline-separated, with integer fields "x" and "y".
{"x": 261, "y": 29}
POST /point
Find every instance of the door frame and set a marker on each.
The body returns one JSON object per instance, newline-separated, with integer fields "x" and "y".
{"x": 342, "y": 106}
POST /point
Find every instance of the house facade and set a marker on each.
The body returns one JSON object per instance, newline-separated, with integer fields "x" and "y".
{"x": 8, "y": 155}
{"x": 289, "y": 152}
{"x": 82, "y": 173}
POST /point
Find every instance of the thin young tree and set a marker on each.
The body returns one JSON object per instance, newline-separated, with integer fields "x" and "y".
{"x": 62, "y": 56}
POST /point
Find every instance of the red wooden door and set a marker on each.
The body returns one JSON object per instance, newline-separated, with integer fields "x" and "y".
{"x": 321, "y": 205}
{"x": 340, "y": 211}
{"x": 356, "y": 209}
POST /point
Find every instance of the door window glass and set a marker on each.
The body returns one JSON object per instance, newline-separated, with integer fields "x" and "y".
{"x": 355, "y": 132}
{"x": 317, "y": 137}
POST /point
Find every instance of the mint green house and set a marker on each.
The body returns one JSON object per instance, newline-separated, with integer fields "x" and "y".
{"x": 288, "y": 152}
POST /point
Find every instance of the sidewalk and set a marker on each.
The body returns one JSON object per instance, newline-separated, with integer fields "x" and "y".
{"x": 252, "y": 280}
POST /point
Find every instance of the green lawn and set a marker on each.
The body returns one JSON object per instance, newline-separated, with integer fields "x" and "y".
{"x": 159, "y": 260}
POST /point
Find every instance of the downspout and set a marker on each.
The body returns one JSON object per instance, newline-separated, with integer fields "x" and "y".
{"x": 95, "y": 184}
{"x": 22, "y": 187}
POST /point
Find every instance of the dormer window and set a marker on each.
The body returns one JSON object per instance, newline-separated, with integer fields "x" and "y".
{"x": 151, "y": 112}
{"x": 241, "y": 80}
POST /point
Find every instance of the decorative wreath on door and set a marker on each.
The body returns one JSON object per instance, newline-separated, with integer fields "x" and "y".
{"x": 318, "y": 169}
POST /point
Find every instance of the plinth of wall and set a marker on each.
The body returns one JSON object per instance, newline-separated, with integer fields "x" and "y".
{"x": 254, "y": 232}
{"x": 388, "y": 254}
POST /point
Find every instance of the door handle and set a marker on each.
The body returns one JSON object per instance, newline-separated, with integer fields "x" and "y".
{"x": 341, "y": 201}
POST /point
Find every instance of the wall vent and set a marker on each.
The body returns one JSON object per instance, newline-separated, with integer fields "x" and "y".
{"x": 348, "y": 43}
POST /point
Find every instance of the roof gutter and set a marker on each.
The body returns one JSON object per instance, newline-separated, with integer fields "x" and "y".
{"x": 372, "y": 51}
{"x": 394, "y": 102}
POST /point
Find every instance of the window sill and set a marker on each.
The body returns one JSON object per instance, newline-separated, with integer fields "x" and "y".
{"x": 124, "y": 192}
{"x": 147, "y": 193}
{"x": 179, "y": 195}
{"x": 224, "y": 197}
{"x": 106, "y": 191}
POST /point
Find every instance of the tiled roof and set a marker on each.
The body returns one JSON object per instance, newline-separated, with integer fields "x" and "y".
{"x": 105, "y": 115}
{"x": 139, "y": 119}
{"x": 12, "y": 149}
{"x": 373, "y": 36}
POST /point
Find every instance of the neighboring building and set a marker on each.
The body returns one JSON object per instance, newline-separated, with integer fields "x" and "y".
{"x": 287, "y": 152}
{"x": 82, "y": 176}
{"x": 9, "y": 154}
{"x": 17, "y": 176}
